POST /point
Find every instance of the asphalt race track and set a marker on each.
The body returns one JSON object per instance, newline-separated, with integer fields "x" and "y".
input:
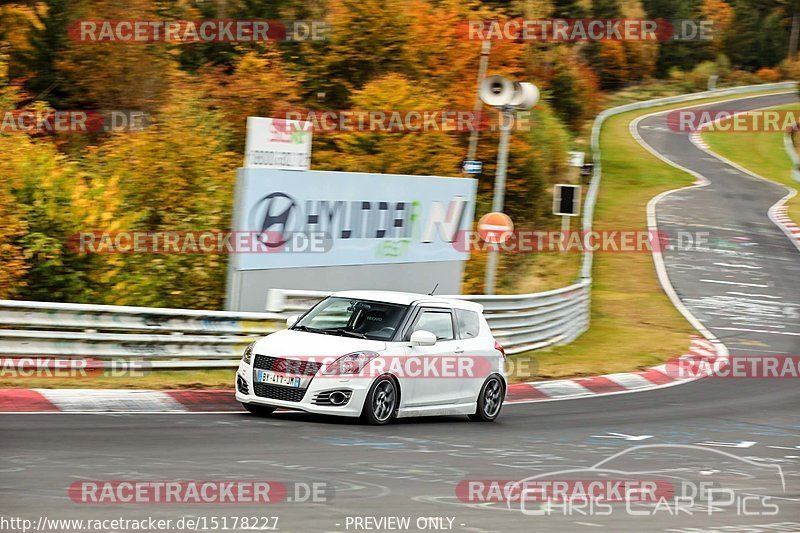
{"x": 742, "y": 435}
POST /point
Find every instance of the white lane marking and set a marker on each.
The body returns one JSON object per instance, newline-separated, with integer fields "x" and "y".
{"x": 658, "y": 259}
{"x": 110, "y": 400}
{"x": 763, "y": 331}
{"x": 740, "y": 444}
{"x": 561, "y": 388}
{"x": 753, "y": 323}
{"x": 731, "y": 265}
{"x": 622, "y": 436}
{"x": 734, "y": 283}
{"x": 755, "y": 295}
{"x": 629, "y": 381}
{"x": 751, "y": 350}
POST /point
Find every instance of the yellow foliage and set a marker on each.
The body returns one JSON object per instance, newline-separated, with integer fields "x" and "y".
{"x": 721, "y": 13}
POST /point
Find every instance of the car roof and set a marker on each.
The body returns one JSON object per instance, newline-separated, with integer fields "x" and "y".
{"x": 408, "y": 298}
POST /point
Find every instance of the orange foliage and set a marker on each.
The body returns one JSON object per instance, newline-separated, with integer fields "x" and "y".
{"x": 721, "y": 13}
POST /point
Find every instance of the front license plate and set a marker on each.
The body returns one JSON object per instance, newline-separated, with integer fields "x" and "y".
{"x": 265, "y": 376}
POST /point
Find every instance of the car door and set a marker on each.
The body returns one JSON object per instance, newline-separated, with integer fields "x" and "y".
{"x": 430, "y": 387}
{"x": 477, "y": 345}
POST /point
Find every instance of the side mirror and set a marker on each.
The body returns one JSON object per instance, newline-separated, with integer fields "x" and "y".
{"x": 292, "y": 320}
{"x": 423, "y": 338}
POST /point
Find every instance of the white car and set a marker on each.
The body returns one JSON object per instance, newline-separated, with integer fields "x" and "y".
{"x": 377, "y": 355}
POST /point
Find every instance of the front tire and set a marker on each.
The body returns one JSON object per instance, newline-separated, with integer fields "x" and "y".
{"x": 260, "y": 410}
{"x": 490, "y": 400}
{"x": 381, "y": 402}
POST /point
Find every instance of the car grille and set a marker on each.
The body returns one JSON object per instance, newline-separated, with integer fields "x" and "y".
{"x": 277, "y": 392}
{"x": 290, "y": 366}
{"x": 276, "y": 364}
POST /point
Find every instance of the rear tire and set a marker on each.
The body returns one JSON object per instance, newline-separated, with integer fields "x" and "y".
{"x": 381, "y": 402}
{"x": 260, "y": 410}
{"x": 490, "y": 400}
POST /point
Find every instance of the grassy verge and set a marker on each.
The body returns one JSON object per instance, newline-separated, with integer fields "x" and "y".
{"x": 634, "y": 325}
{"x": 161, "y": 379}
{"x": 759, "y": 152}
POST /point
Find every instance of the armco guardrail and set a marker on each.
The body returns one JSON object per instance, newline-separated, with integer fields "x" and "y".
{"x": 791, "y": 151}
{"x": 180, "y": 338}
{"x": 107, "y": 331}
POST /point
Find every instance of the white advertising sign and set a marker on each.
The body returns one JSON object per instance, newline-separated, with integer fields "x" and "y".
{"x": 575, "y": 159}
{"x": 277, "y": 143}
{"x": 324, "y": 218}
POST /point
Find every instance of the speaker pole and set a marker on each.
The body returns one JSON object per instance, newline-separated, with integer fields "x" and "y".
{"x": 506, "y": 118}
{"x": 508, "y": 97}
{"x": 486, "y": 47}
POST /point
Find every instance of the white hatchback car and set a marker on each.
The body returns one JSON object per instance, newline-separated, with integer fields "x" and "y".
{"x": 377, "y": 355}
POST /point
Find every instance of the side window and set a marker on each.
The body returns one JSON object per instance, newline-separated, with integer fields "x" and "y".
{"x": 469, "y": 324}
{"x": 437, "y": 322}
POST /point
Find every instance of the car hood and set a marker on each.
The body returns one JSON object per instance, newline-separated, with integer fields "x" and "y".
{"x": 293, "y": 343}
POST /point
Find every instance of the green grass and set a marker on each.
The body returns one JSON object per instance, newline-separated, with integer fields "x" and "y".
{"x": 161, "y": 379}
{"x": 759, "y": 152}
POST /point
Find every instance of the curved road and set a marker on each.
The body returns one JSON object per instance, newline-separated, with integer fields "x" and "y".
{"x": 742, "y": 435}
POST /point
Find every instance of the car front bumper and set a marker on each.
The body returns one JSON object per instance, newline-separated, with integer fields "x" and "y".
{"x": 359, "y": 387}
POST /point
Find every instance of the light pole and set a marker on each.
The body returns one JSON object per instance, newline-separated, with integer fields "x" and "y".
{"x": 508, "y": 97}
{"x": 486, "y": 47}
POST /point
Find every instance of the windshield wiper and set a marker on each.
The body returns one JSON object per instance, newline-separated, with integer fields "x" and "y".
{"x": 348, "y": 333}
{"x": 311, "y": 330}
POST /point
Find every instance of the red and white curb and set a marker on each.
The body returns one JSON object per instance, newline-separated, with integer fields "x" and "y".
{"x": 116, "y": 400}
{"x": 656, "y": 377}
{"x": 217, "y": 401}
{"x": 789, "y": 227}
{"x": 697, "y": 138}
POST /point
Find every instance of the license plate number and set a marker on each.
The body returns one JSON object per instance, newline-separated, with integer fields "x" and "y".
{"x": 265, "y": 376}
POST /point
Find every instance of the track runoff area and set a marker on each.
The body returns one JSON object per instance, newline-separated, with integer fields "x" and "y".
{"x": 721, "y": 453}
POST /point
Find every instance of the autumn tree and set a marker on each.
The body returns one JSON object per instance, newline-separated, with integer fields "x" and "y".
{"x": 721, "y": 13}
{"x": 259, "y": 86}
{"x": 176, "y": 175}
{"x": 13, "y": 266}
{"x": 397, "y": 152}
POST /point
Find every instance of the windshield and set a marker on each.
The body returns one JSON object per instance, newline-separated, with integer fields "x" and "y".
{"x": 349, "y": 317}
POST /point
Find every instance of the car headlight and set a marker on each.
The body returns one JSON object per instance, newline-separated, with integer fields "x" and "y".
{"x": 247, "y": 357}
{"x": 351, "y": 363}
